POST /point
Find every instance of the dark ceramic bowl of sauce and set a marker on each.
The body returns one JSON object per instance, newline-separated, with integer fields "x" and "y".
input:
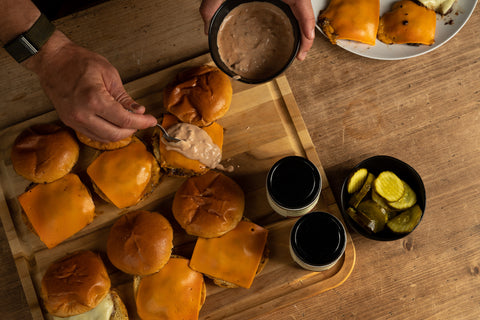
{"x": 293, "y": 186}
{"x": 253, "y": 41}
{"x": 317, "y": 241}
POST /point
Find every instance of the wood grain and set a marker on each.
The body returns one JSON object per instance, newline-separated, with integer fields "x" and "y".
{"x": 262, "y": 126}
{"x": 424, "y": 110}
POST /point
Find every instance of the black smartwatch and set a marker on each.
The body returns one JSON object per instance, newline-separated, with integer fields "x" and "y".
{"x": 29, "y": 43}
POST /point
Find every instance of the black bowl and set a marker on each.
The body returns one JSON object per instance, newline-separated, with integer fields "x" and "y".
{"x": 376, "y": 165}
{"x": 216, "y": 22}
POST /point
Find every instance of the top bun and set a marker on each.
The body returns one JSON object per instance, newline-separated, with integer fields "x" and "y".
{"x": 209, "y": 206}
{"x": 75, "y": 284}
{"x": 140, "y": 242}
{"x": 44, "y": 153}
{"x": 103, "y": 145}
{"x": 199, "y": 95}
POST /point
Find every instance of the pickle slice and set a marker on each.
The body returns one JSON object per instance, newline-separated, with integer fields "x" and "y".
{"x": 356, "y": 180}
{"x": 389, "y": 186}
{"x": 384, "y": 204}
{"x": 365, "y": 222}
{"x": 408, "y": 199}
{"x": 358, "y": 196}
{"x": 378, "y": 216}
{"x": 406, "y": 221}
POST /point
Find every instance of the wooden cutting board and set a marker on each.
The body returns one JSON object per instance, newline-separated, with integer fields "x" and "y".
{"x": 262, "y": 126}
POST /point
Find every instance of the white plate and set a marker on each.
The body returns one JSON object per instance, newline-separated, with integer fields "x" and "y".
{"x": 447, "y": 27}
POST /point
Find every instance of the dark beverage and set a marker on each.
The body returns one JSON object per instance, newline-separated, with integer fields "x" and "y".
{"x": 318, "y": 239}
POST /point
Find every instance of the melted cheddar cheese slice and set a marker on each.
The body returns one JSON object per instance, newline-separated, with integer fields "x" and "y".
{"x": 408, "y": 22}
{"x": 174, "y": 292}
{"x": 123, "y": 174}
{"x": 176, "y": 160}
{"x": 59, "y": 209}
{"x": 233, "y": 257}
{"x": 355, "y": 20}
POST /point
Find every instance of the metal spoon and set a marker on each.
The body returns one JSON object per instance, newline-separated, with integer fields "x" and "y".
{"x": 167, "y": 136}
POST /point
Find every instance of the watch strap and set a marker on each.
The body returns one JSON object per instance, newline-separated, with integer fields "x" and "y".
{"x": 29, "y": 43}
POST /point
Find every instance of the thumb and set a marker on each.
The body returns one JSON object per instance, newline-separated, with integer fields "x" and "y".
{"x": 207, "y": 10}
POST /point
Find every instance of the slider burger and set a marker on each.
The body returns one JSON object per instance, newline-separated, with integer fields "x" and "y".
{"x": 140, "y": 242}
{"x": 209, "y": 205}
{"x": 78, "y": 287}
{"x": 175, "y": 292}
{"x": 200, "y": 150}
{"x": 59, "y": 209}
{"x": 124, "y": 176}
{"x": 44, "y": 153}
{"x": 408, "y": 22}
{"x": 199, "y": 95}
{"x": 355, "y": 20}
{"x": 234, "y": 259}
{"x": 103, "y": 145}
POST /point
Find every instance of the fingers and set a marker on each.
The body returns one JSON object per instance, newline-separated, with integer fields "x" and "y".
{"x": 117, "y": 115}
{"x": 99, "y": 129}
{"x": 207, "y": 10}
{"x": 303, "y": 11}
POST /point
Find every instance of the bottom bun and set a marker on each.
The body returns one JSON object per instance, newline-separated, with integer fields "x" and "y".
{"x": 110, "y": 308}
{"x": 119, "y": 310}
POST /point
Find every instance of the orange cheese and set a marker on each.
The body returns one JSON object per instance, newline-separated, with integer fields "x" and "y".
{"x": 59, "y": 209}
{"x": 175, "y": 292}
{"x": 174, "y": 159}
{"x": 355, "y": 20}
{"x": 408, "y": 22}
{"x": 123, "y": 174}
{"x": 233, "y": 257}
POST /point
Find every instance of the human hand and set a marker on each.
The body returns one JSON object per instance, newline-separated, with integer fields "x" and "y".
{"x": 302, "y": 9}
{"x": 87, "y": 92}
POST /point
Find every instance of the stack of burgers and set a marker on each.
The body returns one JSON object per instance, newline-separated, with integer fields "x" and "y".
{"x": 209, "y": 205}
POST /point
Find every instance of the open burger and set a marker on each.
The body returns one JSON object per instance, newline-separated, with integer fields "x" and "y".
{"x": 209, "y": 205}
{"x": 78, "y": 287}
{"x": 234, "y": 259}
{"x": 57, "y": 210}
{"x": 174, "y": 292}
{"x": 124, "y": 176}
{"x": 140, "y": 242}
{"x": 199, "y": 151}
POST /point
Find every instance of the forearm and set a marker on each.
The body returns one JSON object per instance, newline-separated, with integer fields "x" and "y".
{"x": 16, "y": 17}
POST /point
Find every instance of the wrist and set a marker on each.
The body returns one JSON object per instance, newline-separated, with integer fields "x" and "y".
{"x": 28, "y": 43}
{"x": 38, "y": 62}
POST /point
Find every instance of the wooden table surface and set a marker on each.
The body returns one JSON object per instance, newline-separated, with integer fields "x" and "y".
{"x": 424, "y": 111}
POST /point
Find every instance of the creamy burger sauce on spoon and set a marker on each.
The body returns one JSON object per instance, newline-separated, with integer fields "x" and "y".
{"x": 196, "y": 144}
{"x": 255, "y": 40}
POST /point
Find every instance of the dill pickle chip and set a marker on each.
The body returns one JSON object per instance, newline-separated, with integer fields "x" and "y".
{"x": 358, "y": 196}
{"x": 389, "y": 186}
{"x": 391, "y": 212}
{"x": 365, "y": 222}
{"x": 377, "y": 215}
{"x": 356, "y": 180}
{"x": 379, "y": 199}
{"x": 408, "y": 199}
{"x": 406, "y": 221}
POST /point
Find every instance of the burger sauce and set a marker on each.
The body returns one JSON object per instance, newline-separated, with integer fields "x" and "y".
{"x": 256, "y": 40}
{"x": 195, "y": 144}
